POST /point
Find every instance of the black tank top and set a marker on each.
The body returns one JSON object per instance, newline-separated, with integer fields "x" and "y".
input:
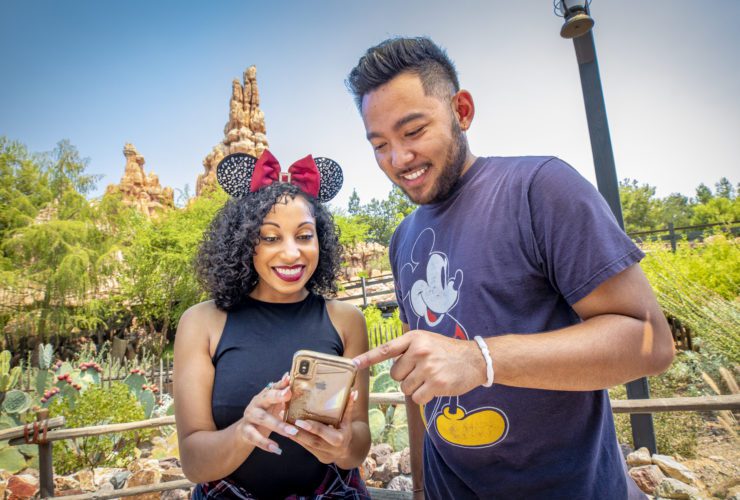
{"x": 257, "y": 347}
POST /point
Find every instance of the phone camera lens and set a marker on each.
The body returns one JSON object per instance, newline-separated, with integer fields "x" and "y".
{"x": 303, "y": 367}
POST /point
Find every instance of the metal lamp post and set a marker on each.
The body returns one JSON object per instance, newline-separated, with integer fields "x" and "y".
{"x": 578, "y": 24}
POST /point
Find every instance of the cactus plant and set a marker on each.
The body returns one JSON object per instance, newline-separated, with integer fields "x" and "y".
{"x": 16, "y": 402}
{"x": 8, "y": 377}
{"x": 12, "y": 460}
{"x": 384, "y": 383}
{"x": 90, "y": 373}
{"x": 147, "y": 400}
{"x": 398, "y": 437}
{"x": 44, "y": 380}
{"x": 46, "y": 352}
{"x": 135, "y": 381}
{"x": 376, "y": 419}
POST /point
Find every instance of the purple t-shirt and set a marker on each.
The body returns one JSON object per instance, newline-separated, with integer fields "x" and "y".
{"x": 515, "y": 245}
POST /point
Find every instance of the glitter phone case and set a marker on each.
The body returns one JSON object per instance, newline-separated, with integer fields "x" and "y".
{"x": 320, "y": 385}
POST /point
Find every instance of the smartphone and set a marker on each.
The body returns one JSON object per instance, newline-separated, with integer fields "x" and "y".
{"x": 320, "y": 386}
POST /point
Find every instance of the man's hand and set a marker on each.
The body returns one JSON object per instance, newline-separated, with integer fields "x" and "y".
{"x": 428, "y": 364}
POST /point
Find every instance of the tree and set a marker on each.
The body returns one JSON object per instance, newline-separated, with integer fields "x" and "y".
{"x": 725, "y": 189}
{"x": 354, "y": 208}
{"x": 55, "y": 246}
{"x": 66, "y": 170}
{"x": 703, "y": 194}
{"x": 24, "y": 190}
{"x": 674, "y": 208}
{"x": 639, "y": 209}
{"x": 718, "y": 210}
{"x": 159, "y": 281}
{"x": 351, "y": 229}
{"x": 383, "y": 216}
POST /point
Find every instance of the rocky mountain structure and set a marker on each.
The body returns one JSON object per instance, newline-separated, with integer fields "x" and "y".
{"x": 243, "y": 133}
{"x": 139, "y": 189}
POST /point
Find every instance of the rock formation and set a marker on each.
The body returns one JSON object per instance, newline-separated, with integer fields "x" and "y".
{"x": 140, "y": 190}
{"x": 243, "y": 133}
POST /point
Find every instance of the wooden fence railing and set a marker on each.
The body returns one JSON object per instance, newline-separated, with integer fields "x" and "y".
{"x": 691, "y": 233}
{"x": 363, "y": 284}
{"x": 44, "y": 437}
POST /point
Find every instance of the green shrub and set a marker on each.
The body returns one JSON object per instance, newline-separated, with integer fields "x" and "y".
{"x": 699, "y": 286}
{"x": 675, "y": 432}
{"x": 98, "y": 406}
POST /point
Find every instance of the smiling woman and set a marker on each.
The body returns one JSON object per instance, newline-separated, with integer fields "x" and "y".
{"x": 269, "y": 261}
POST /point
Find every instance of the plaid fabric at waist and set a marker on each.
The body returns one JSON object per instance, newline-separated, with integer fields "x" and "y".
{"x": 337, "y": 484}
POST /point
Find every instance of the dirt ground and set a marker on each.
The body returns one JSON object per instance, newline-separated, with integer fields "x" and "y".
{"x": 717, "y": 463}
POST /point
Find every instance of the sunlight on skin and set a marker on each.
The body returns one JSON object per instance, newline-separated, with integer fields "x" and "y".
{"x": 648, "y": 336}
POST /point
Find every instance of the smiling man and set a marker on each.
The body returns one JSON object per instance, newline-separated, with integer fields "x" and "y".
{"x": 522, "y": 298}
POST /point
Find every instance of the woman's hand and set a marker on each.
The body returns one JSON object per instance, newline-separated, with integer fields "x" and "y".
{"x": 263, "y": 416}
{"x": 328, "y": 444}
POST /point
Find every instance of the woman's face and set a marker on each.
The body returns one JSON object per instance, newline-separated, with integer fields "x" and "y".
{"x": 287, "y": 253}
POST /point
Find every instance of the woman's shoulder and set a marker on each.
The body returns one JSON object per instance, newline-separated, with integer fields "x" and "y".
{"x": 344, "y": 310}
{"x": 202, "y": 311}
{"x": 204, "y": 316}
{"x": 350, "y": 323}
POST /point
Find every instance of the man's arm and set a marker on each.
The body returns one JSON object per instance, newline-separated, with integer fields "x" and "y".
{"x": 624, "y": 336}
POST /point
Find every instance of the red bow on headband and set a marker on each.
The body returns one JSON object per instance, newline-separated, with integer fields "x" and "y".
{"x": 303, "y": 173}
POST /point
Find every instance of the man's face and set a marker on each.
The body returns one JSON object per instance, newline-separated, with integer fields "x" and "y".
{"x": 416, "y": 138}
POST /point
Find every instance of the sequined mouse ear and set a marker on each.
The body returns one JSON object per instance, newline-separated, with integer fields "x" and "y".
{"x": 331, "y": 178}
{"x": 234, "y": 173}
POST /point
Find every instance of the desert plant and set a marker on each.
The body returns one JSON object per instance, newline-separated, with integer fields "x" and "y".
{"x": 98, "y": 406}
{"x": 8, "y": 376}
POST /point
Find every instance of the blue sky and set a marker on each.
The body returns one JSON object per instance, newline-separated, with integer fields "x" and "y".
{"x": 158, "y": 75}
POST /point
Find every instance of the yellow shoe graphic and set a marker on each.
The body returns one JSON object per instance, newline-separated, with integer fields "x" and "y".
{"x": 479, "y": 428}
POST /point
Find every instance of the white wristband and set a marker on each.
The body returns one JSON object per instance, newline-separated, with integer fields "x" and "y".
{"x": 489, "y": 362}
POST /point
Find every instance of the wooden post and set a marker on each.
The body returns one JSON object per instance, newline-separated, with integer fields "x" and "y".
{"x": 46, "y": 467}
{"x": 364, "y": 292}
{"x": 161, "y": 375}
{"x": 672, "y": 235}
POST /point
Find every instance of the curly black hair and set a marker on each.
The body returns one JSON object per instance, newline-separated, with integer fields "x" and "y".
{"x": 225, "y": 266}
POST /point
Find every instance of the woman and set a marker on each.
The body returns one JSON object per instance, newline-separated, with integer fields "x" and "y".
{"x": 268, "y": 260}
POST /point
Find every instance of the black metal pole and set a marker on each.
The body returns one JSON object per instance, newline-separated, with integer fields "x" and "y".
{"x": 643, "y": 433}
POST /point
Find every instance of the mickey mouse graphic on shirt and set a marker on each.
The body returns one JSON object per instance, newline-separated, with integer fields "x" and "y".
{"x": 432, "y": 297}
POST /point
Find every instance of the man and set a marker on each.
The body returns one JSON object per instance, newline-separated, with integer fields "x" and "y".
{"x": 524, "y": 254}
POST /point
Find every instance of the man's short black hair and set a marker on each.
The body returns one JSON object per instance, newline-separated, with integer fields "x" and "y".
{"x": 420, "y": 56}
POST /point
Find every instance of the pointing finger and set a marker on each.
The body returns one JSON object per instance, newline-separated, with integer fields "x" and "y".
{"x": 389, "y": 350}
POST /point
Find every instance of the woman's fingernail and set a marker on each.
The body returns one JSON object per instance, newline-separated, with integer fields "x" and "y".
{"x": 275, "y": 449}
{"x": 284, "y": 391}
{"x": 355, "y": 394}
{"x": 303, "y": 424}
{"x": 281, "y": 414}
{"x": 291, "y": 430}
{"x": 285, "y": 375}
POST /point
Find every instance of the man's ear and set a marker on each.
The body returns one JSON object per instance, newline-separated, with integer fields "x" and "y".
{"x": 464, "y": 108}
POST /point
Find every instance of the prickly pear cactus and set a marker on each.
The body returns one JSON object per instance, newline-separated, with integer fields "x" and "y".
{"x": 12, "y": 460}
{"x": 16, "y": 402}
{"x": 46, "y": 352}
{"x": 399, "y": 416}
{"x": 8, "y": 377}
{"x": 376, "y": 419}
{"x": 384, "y": 383}
{"x": 147, "y": 400}
{"x": 90, "y": 373}
{"x": 398, "y": 437}
{"x": 135, "y": 382}
{"x": 44, "y": 380}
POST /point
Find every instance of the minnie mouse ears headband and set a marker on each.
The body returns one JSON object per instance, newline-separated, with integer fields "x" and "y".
{"x": 240, "y": 173}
